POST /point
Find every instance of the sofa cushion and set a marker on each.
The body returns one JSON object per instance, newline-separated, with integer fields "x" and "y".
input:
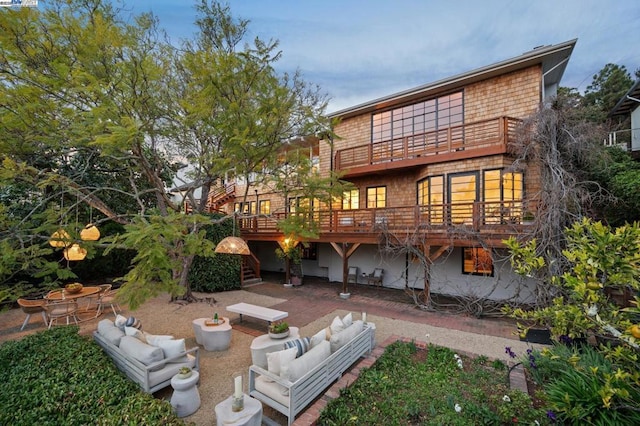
{"x": 120, "y": 322}
{"x": 317, "y": 338}
{"x": 110, "y": 332}
{"x": 347, "y": 320}
{"x": 276, "y": 359}
{"x": 307, "y": 362}
{"x": 153, "y": 339}
{"x": 272, "y": 389}
{"x": 169, "y": 370}
{"x": 340, "y": 339}
{"x": 134, "y": 332}
{"x": 140, "y": 351}
{"x": 301, "y": 344}
{"x": 336, "y": 325}
{"x": 171, "y": 348}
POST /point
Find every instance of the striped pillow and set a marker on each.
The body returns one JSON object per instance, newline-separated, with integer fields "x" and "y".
{"x": 301, "y": 344}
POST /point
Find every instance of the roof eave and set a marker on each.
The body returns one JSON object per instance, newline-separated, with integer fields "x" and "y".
{"x": 548, "y": 56}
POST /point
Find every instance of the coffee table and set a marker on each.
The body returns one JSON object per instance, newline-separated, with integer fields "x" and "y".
{"x": 212, "y": 337}
{"x": 262, "y": 345}
{"x": 250, "y": 415}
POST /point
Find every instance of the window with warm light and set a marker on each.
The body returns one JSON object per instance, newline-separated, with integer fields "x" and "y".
{"x": 265, "y": 207}
{"x": 431, "y": 199}
{"x": 503, "y": 195}
{"x": 463, "y": 193}
{"x": 477, "y": 261}
{"x": 376, "y": 197}
{"x": 351, "y": 200}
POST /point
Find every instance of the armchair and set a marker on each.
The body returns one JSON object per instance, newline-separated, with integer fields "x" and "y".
{"x": 352, "y": 277}
{"x": 375, "y": 278}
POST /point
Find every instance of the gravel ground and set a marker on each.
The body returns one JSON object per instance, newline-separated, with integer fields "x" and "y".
{"x": 218, "y": 369}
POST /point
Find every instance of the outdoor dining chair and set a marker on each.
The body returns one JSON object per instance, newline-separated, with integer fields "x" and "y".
{"x": 108, "y": 299}
{"x": 66, "y": 309}
{"x": 352, "y": 277}
{"x": 95, "y": 298}
{"x": 32, "y": 307}
{"x": 376, "y": 277}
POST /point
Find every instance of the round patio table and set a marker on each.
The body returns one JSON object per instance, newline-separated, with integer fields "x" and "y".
{"x": 60, "y": 295}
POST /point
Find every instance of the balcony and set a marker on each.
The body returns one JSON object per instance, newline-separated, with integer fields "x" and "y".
{"x": 492, "y": 221}
{"x": 485, "y": 137}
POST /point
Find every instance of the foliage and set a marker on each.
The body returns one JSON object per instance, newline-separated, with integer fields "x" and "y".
{"x": 220, "y": 272}
{"x": 582, "y": 386}
{"x": 605, "y": 90}
{"x": 278, "y": 327}
{"x": 407, "y": 385}
{"x": 57, "y": 377}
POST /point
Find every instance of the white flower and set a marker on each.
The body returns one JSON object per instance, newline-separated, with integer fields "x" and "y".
{"x": 506, "y": 398}
{"x": 458, "y": 408}
{"x": 456, "y": 356}
{"x": 537, "y": 423}
{"x": 460, "y": 364}
{"x": 593, "y": 311}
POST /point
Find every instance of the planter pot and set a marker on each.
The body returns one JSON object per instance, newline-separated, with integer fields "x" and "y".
{"x": 279, "y": 335}
{"x": 345, "y": 295}
{"x": 296, "y": 280}
{"x": 538, "y": 335}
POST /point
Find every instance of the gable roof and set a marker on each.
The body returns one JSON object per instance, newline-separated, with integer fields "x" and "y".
{"x": 554, "y": 59}
{"x": 628, "y": 102}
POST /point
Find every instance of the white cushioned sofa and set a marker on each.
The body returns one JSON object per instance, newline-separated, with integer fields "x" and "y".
{"x": 149, "y": 360}
{"x": 295, "y": 376}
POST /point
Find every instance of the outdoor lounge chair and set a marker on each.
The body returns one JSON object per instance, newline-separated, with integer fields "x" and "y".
{"x": 352, "y": 277}
{"x": 376, "y": 277}
{"x": 32, "y": 307}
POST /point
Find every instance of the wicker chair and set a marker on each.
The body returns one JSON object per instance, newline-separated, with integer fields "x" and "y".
{"x": 66, "y": 309}
{"x": 109, "y": 299}
{"x": 95, "y": 298}
{"x": 32, "y": 307}
{"x": 376, "y": 277}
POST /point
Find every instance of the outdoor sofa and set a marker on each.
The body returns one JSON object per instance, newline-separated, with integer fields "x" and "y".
{"x": 291, "y": 381}
{"x": 151, "y": 366}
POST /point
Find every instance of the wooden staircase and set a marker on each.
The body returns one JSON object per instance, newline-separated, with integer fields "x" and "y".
{"x": 220, "y": 197}
{"x": 250, "y": 270}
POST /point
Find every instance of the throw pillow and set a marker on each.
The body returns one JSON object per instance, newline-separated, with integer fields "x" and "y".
{"x": 110, "y": 332}
{"x": 344, "y": 337}
{"x": 144, "y": 353}
{"x": 301, "y": 366}
{"x": 120, "y": 322}
{"x": 317, "y": 338}
{"x": 133, "y": 322}
{"x": 275, "y": 360}
{"x": 347, "y": 320}
{"x": 134, "y": 332}
{"x": 336, "y": 325}
{"x": 301, "y": 344}
{"x": 172, "y": 348}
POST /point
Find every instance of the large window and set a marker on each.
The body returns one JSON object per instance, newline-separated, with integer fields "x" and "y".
{"x": 245, "y": 208}
{"x": 431, "y": 199}
{"x": 503, "y": 194}
{"x": 477, "y": 261}
{"x": 351, "y": 200}
{"x": 463, "y": 193}
{"x": 265, "y": 207}
{"x": 419, "y": 118}
{"x": 376, "y": 197}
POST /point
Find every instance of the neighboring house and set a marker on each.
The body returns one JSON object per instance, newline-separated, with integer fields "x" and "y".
{"x": 628, "y": 105}
{"x": 432, "y": 163}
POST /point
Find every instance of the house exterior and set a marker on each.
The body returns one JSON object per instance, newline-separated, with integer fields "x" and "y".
{"x": 628, "y": 105}
{"x": 431, "y": 170}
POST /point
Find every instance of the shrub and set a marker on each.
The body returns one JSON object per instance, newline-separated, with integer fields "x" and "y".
{"x": 57, "y": 377}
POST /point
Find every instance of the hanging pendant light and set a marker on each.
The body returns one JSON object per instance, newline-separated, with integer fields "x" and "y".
{"x": 75, "y": 252}
{"x": 90, "y": 233}
{"x": 60, "y": 238}
{"x": 232, "y": 245}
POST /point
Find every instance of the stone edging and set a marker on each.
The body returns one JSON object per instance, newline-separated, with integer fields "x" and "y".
{"x": 310, "y": 415}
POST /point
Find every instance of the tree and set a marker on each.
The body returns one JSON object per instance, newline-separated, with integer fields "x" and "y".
{"x": 80, "y": 87}
{"x": 605, "y": 90}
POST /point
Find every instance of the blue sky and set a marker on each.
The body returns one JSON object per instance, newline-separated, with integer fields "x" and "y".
{"x": 359, "y": 50}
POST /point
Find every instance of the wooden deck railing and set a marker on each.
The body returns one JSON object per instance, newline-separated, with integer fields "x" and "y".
{"x": 481, "y": 134}
{"x": 475, "y": 215}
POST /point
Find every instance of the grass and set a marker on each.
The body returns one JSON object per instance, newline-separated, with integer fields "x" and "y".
{"x": 432, "y": 386}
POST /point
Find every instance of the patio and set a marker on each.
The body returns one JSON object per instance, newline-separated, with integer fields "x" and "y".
{"x": 310, "y": 307}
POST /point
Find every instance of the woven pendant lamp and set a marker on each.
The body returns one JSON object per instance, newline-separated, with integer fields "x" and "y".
{"x": 90, "y": 233}
{"x": 60, "y": 238}
{"x": 75, "y": 252}
{"x": 232, "y": 245}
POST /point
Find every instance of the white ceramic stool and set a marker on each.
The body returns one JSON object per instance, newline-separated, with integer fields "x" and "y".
{"x": 186, "y": 398}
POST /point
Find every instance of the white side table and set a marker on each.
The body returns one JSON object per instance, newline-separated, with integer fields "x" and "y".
{"x": 186, "y": 398}
{"x": 250, "y": 415}
{"x": 262, "y": 345}
{"x": 212, "y": 337}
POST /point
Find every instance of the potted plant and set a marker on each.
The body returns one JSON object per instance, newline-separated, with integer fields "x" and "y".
{"x": 278, "y": 329}
{"x": 184, "y": 373}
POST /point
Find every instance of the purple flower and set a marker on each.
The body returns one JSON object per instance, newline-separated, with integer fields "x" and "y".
{"x": 565, "y": 339}
{"x": 551, "y": 416}
{"x": 508, "y": 351}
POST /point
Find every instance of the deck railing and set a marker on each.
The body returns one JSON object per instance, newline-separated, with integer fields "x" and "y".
{"x": 481, "y": 134}
{"x": 475, "y": 215}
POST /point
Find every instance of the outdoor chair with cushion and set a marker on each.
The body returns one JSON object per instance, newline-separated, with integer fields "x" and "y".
{"x": 32, "y": 307}
{"x": 353, "y": 275}
{"x": 104, "y": 288}
{"x": 66, "y": 309}
{"x": 376, "y": 277}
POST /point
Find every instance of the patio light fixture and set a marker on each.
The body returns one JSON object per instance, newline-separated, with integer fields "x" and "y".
{"x": 233, "y": 245}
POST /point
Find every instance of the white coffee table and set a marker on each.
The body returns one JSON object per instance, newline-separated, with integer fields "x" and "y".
{"x": 250, "y": 415}
{"x": 262, "y": 345}
{"x": 212, "y": 337}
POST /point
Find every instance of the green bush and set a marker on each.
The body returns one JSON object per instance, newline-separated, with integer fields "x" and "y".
{"x": 57, "y": 377}
{"x": 221, "y": 273}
